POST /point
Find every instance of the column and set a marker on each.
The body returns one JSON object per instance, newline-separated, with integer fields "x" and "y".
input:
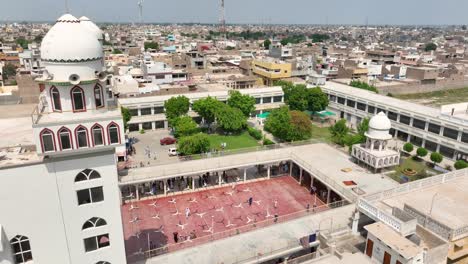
{"x": 219, "y": 178}
{"x": 193, "y": 183}
{"x": 268, "y": 172}
{"x": 355, "y": 225}
{"x": 438, "y": 148}
{"x": 328, "y": 194}
{"x": 372, "y": 144}
{"x": 165, "y": 187}
{"x": 137, "y": 192}
{"x": 166, "y": 124}
{"x": 300, "y": 176}
{"x": 139, "y": 112}
{"x": 152, "y": 110}
{"x": 245, "y": 174}
{"x": 311, "y": 181}
{"x": 140, "y": 126}
{"x": 290, "y": 168}
{"x": 153, "y": 125}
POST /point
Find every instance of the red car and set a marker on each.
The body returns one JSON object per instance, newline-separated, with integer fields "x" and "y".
{"x": 167, "y": 141}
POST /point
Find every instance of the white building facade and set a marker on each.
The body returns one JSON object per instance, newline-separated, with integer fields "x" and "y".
{"x": 65, "y": 207}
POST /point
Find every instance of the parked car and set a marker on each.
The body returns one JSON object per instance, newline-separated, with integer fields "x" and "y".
{"x": 172, "y": 152}
{"x": 167, "y": 141}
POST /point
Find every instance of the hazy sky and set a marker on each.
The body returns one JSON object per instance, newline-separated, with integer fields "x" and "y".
{"x": 247, "y": 11}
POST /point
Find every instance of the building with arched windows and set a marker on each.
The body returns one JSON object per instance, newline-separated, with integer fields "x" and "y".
{"x": 61, "y": 204}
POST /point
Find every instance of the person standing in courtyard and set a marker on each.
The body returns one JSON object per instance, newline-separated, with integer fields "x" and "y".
{"x": 176, "y": 237}
{"x": 187, "y": 212}
{"x": 275, "y": 204}
{"x": 250, "y": 201}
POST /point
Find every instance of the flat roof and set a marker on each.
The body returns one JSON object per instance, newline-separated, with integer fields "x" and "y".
{"x": 394, "y": 240}
{"x": 322, "y": 158}
{"x": 449, "y": 206}
{"x": 345, "y": 258}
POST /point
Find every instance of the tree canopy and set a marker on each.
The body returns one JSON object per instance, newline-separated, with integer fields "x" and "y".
{"x": 266, "y": 43}
{"x": 408, "y": 147}
{"x": 116, "y": 51}
{"x": 436, "y": 157}
{"x": 230, "y": 119}
{"x": 299, "y": 97}
{"x": 460, "y": 164}
{"x": 9, "y": 70}
{"x": 195, "y": 144}
{"x": 176, "y": 106}
{"x": 363, "y": 85}
{"x": 288, "y": 125}
{"x": 151, "y": 45}
{"x": 430, "y": 46}
{"x": 184, "y": 126}
{"x": 207, "y": 108}
{"x": 22, "y": 42}
{"x": 245, "y": 103}
{"x": 339, "y": 131}
{"x": 126, "y": 116}
{"x": 421, "y": 152}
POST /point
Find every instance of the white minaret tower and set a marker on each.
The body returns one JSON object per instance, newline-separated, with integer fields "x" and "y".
{"x": 77, "y": 127}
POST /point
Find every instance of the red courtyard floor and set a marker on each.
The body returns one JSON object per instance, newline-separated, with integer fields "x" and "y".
{"x": 214, "y": 214}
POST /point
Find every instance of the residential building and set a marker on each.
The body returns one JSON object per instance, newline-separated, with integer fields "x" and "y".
{"x": 270, "y": 70}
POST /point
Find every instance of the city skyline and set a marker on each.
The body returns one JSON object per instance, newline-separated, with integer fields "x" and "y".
{"x": 304, "y": 12}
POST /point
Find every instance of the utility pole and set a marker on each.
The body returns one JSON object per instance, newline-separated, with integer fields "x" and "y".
{"x": 140, "y": 9}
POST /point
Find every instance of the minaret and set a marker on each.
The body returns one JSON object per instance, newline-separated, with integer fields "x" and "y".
{"x": 77, "y": 128}
{"x": 76, "y": 113}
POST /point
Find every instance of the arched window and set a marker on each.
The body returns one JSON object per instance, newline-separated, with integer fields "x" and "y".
{"x": 55, "y": 98}
{"x": 98, "y": 96}
{"x": 113, "y": 133}
{"x": 96, "y": 242}
{"x": 97, "y": 133}
{"x": 94, "y": 222}
{"x": 86, "y": 175}
{"x": 64, "y": 136}
{"x": 21, "y": 249}
{"x": 78, "y": 99}
{"x": 81, "y": 134}
{"x": 47, "y": 141}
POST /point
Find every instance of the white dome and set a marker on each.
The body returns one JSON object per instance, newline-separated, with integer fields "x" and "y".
{"x": 69, "y": 41}
{"x": 380, "y": 122}
{"x": 93, "y": 28}
{"x": 379, "y": 126}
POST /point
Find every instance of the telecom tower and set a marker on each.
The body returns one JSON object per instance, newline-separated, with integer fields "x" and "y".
{"x": 222, "y": 19}
{"x": 140, "y": 9}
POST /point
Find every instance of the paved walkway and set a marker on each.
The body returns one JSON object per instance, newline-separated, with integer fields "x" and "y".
{"x": 260, "y": 242}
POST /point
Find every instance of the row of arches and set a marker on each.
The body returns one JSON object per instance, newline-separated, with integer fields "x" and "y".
{"x": 82, "y": 137}
{"x": 361, "y": 155}
{"x": 78, "y": 99}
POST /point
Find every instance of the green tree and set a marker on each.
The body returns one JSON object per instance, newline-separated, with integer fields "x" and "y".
{"x": 317, "y": 100}
{"x": 38, "y": 38}
{"x": 9, "y": 70}
{"x": 363, "y": 127}
{"x": 436, "y": 157}
{"x": 460, "y": 164}
{"x": 421, "y": 152}
{"x": 116, "y": 51}
{"x": 195, "y": 144}
{"x": 338, "y": 131}
{"x": 363, "y": 85}
{"x": 230, "y": 119}
{"x": 266, "y": 43}
{"x": 278, "y": 122}
{"x": 176, "y": 106}
{"x": 126, "y": 116}
{"x": 408, "y": 147}
{"x": 430, "y": 46}
{"x": 300, "y": 128}
{"x": 22, "y": 42}
{"x": 245, "y": 103}
{"x": 184, "y": 126}
{"x": 207, "y": 108}
{"x": 287, "y": 88}
{"x": 297, "y": 98}
{"x": 151, "y": 45}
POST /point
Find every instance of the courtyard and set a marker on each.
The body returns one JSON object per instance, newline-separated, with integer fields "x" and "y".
{"x": 215, "y": 213}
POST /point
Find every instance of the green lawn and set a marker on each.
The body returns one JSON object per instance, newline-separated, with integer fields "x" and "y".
{"x": 321, "y": 133}
{"x": 419, "y": 166}
{"x": 243, "y": 140}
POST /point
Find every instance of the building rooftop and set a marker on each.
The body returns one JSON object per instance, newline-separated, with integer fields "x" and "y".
{"x": 394, "y": 240}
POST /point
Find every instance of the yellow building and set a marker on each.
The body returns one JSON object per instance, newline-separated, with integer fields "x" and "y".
{"x": 270, "y": 71}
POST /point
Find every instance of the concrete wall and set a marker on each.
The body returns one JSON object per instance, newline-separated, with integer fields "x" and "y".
{"x": 28, "y": 89}
{"x": 380, "y": 248}
{"x": 423, "y": 88}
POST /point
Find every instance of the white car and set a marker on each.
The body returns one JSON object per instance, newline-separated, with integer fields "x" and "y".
{"x": 172, "y": 152}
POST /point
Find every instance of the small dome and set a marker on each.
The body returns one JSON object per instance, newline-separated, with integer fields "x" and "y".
{"x": 93, "y": 28}
{"x": 379, "y": 126}
{"x": 380, "y": 122}
{"x": 69, "y": 41}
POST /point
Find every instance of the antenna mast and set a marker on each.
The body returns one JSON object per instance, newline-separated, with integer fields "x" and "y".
{"x": 222, "y": 20}
{"x": 140, "y": 9}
